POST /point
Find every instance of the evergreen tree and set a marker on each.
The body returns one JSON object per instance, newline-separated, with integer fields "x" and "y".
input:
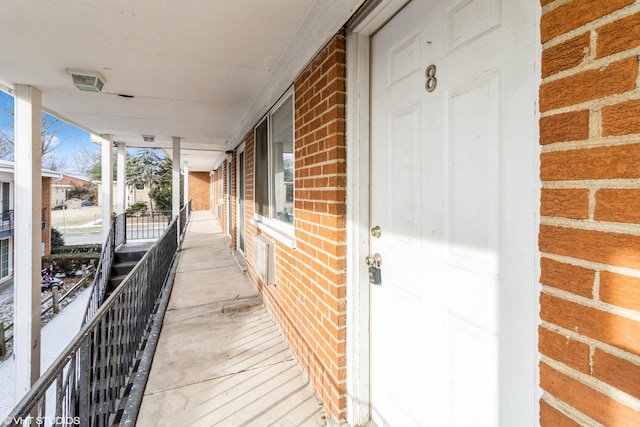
{"x": 161, "y": 192}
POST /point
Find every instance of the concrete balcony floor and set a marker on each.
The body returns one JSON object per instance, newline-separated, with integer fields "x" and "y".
{"x": 220, "y": 359}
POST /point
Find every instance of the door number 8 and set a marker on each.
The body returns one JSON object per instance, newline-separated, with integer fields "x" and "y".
{"x": 431, "y": 82}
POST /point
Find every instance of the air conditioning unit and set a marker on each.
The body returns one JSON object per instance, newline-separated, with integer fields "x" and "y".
{"x": 219, "y": 211}
{"x": 264, "y": 264}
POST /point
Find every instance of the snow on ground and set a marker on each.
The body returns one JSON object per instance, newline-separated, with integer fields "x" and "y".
{"x": 56, "y": 335}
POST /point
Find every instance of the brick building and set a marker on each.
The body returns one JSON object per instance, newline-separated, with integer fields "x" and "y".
{"x": 60, "y": 189}
{"x": 588, "y": 299}
{"x": 437, "y": 200}
{"x": 7, "y": 198}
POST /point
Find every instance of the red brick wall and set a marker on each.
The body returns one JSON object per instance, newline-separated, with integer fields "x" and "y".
{"x": 250, "y": 228}
{"x": 234, "y": 226}
{"x": 308, "y": 301}
{"x": 46, "y": 205}
{"x": 223, "y": 195}
{"x": 199, "y": 190}
{"x": 589, "y": 338}
{"x": 221, "y": 174}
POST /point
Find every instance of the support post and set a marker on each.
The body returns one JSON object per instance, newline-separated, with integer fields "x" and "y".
{"x": 175, "y": 183}
{"x": 107, "y": 184}
{"x": 121, "y": 200}
{"x": 28, "y": 208}
{"x": 186, "y": 184}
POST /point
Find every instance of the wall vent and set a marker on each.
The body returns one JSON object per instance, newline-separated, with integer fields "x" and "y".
{"x": 264, "y": 259}
{"x": 219, "y": 211}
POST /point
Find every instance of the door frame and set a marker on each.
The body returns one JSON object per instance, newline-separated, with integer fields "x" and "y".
{"x": 358, "y": 333}
{"x": 229, "y": 199}
{"x": 241, "y": 179}
{"x": 367, "y": 23}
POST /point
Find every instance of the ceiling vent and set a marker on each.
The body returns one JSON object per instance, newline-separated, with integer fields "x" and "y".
{"x": 88, "y": 81}
{"x": 148, "y": 138}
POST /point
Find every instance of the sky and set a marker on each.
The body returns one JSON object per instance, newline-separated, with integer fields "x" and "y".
{"x": 73, "y": 147}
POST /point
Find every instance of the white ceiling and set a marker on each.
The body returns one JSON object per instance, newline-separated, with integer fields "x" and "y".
{"x": 200, "y": 70}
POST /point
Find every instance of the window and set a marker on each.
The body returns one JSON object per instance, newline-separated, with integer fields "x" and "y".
{"x": 4, "y": 258}
{"x": 274, "y": 164}
{"x": 220, "y": 184}
{"x": 6, "y": 196}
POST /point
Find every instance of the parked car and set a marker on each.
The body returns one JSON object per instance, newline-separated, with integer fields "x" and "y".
{"x": 87, "y": 203}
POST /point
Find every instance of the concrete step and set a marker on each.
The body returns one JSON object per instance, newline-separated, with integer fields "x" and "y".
{"x": 115, "y": 280}
{"x": 121, "y": 257}
{"x": 120, "y": 268}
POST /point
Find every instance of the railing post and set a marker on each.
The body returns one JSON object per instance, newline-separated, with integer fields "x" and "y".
{"x": 124, "y": 227}
{"x": 83, "y": 383}
{"x": 59, "y": 397}
{"x": 3, "y": 343}
{"x": 56, "y": 299}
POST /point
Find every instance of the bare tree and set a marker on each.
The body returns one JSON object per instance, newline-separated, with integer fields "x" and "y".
{"x": 54, "y": 162}
{"x": 50, "y": 129}
{"x": 88, "y": 163}
{"x": 6, "y": 150}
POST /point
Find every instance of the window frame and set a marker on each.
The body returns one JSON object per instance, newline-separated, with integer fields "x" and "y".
{"x": 9, "y": 260}
{"x": 279, "y": 229}
{"x": 221, "y": 183}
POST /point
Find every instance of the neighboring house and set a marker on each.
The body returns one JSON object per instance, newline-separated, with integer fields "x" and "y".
{"x": 134, "y": 194}
{"x": 137, "y": 193}
{"x": 62, "y": 186}
{"x": 7, "y": 197}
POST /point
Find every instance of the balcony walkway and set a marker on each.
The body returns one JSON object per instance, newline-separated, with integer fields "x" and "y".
{"x": 220, "y": 360}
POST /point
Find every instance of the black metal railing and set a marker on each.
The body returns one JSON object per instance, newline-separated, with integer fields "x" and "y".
{"x": 6, "y": 220}
{"x": 147, "y": 224}
{"x": 84, "y": 384}
{"x": 185, "y": 212}
{"x": 124, "y": 227}
{"x": 101, "y": 278}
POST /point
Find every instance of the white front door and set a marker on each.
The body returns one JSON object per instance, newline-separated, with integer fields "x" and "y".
{"x": 453, "y": 190}
{"x": 229, "y": 198}
{"x": 240, "y": 191}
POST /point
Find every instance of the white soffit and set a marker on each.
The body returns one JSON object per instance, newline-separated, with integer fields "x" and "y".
{"x": 202, "y": 71}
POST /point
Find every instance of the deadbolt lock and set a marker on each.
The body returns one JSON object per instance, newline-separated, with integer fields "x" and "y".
{"x": 376, "y": 231}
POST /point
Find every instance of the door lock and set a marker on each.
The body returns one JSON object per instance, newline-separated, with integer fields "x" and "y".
{"x": 375, "y": 274}
{"x": 376, "y": 231}
{"x": 374, "y": 260}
